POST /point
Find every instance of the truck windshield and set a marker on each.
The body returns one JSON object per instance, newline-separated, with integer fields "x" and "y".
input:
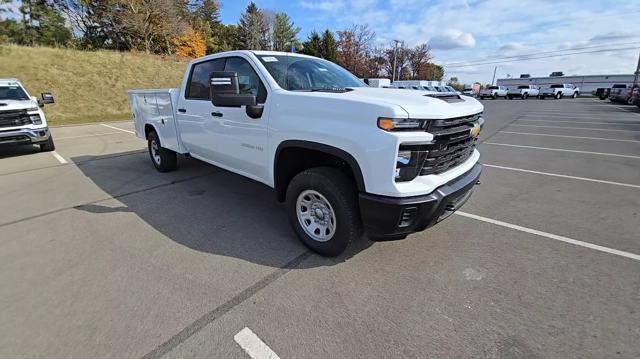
{"x": 13, "y": 93}
{"x": 297, "y": 73}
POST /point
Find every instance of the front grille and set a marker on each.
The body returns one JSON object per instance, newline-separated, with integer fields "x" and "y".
{"x": 452, "y": 143}
{"x": 13, "y": 118}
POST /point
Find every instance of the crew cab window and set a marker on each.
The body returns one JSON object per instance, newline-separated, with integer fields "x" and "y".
{"x": 492, "y": 88}
{"x": 198, "y": 86}
{"x": 556, "y": 86}
{"x": 248, "y": 79}
{"x": 523, "y": 87}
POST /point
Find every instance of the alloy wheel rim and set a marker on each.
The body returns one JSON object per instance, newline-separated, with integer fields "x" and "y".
{"x": 316, "y": 216}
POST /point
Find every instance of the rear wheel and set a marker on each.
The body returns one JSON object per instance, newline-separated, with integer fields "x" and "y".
{"x": 322, "y": 205}
{"x": 48, "y": 145}
{"x": 575, "y": 95}
{"x": 493, "y": 96}
{"x": 164, "y": 160}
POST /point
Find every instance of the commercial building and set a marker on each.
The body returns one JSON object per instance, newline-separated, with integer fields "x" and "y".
{"x": 586, "y": 83}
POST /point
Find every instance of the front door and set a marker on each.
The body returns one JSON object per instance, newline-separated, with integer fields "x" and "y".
{"x": 200, "y": 130}
{"x": 243, "y": 143}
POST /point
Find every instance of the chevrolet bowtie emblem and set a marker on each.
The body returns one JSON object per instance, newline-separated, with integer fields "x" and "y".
{"x": 475, "y": 131}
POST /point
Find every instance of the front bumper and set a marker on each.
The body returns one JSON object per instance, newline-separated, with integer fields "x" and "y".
{"x": 388, "y": 218}
{"x": 24, "y": 136}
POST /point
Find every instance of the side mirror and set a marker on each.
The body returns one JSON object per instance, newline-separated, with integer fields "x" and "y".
{"x": 47, "y": 98}
{"x": 225, "y": 90}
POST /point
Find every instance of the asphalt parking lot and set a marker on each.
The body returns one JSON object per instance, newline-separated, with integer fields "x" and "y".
{"x": 102, "y": 256}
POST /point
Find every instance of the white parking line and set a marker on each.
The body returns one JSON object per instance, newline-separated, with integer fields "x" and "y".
{"x": 84, "y": 136}
{"x": 254, "y": 346}
{"x": 563, "y": 136}
{"x": 116, "y": 128}
{"x": 551, "y": 236}
{"x": 587, "y": 122}
{"x": 562, "y": 176}
{"x": 58, "y": 157}
{"x": 576, "y": 128}
{"x": 561, "y": 150}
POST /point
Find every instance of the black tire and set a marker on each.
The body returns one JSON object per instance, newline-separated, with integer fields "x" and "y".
{"x": 342, "y": 196}
{"x": 525, "y": 96}
{"x": 48, "y": 145}
{"x": 558, "y": 95}
{"x": 575, "y": 95}
{"x": 494, "y": 96}
{"x": 510, "y": 97}
{"x": 603, "y": 98}
{"x": 163, "y": 160}
{"x": 629, "y": 101}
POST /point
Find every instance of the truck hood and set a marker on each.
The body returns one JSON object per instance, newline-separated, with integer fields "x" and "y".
{"x": 6, "y": 105}
{"x": 418, "y": 104}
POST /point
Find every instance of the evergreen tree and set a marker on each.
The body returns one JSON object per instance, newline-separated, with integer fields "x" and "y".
{"x": 329, "y": 46}
{"x": 284, "y": 33}
{"x": 313, "y": 45}
{"x": 253, "y": 29}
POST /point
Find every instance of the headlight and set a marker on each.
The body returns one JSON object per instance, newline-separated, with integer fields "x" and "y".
{"x": 35, "y": 119}
{"x": 401, "y": 124}
{"x": 409, "y": 162}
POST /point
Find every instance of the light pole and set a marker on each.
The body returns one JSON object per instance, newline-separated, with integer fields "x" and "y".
{"x": 494, "y": 75}
{"x": 395, "y": 54}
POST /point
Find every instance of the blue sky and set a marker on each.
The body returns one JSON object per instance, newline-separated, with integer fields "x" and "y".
{"x": 466, "y": 31}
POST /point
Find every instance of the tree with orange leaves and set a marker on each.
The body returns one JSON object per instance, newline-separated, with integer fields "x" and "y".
{"x": 190, "y": 45}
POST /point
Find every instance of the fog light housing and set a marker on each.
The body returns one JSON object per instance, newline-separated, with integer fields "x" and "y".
{"x": 409, "y": 162}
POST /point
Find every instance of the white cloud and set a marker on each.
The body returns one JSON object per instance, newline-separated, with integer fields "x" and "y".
{"x": 511, "y": 46}
{"x": 613, "y": 36}
{"x": 452, "y": 39}
{"x": 324, "y": 5}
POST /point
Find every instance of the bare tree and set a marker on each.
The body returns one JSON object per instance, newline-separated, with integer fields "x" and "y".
{"x": 354, "y": 48}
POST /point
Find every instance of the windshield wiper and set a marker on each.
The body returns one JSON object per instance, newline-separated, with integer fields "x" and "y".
{"x": 326, "y": 89}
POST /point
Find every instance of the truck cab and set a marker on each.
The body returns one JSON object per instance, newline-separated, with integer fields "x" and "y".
{"x": 22, "y": 121}
{"x": 345, "y": 158}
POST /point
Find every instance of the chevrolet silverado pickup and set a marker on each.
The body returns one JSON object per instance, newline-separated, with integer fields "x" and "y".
{"x": 559, "y": 91}
{"x": 22, "y": 121}
{"x": 345, "y": 158}
{"x": 494, "y": 92}
{"x": 523, "y": 92}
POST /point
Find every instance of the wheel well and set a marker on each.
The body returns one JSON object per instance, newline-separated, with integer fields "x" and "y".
{"x": 147, "y": 130}
{"x": 292, "y": 160}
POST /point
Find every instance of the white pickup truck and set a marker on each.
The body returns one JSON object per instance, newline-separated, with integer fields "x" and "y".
{"x": 559, "y": 91}
{"x": 346, "y": 158}
{"x": 523, "y": 92}
{"x": 22, "y": 121}
{"x": 493, "y": 91}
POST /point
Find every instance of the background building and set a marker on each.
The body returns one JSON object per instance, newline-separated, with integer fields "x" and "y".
{"x": 586, "y": 83}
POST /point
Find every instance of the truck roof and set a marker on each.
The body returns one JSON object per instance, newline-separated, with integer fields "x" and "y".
{"x": 9, "y": 82}
{"x": 249, "y": 52}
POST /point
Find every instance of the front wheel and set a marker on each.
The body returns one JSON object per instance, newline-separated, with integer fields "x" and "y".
{"x": 164, "y": 160}
{"x": 525, "y": 96}
{"x": 494, "y": 96}
{"x": 322, "y": 206}
{"x": 558, "y": 96}
{"x": 48, "y": 145}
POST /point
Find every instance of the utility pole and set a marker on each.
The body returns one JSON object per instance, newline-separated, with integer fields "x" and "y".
{"x": 494, "y": 75}
{"x": 635, "y": 78}
{"x": 395, "y": 54}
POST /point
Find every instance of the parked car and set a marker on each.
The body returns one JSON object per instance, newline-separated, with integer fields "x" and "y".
{"x": 468, "y": 90}
{"x": 494, "y": 92}
{"x": 381, "y": 83}
{"x": 523, "y": 92}
{"x": 559, "y": 91}
{"x": 601, "y": 92}
{"x": 635, "y": 96}
{"x": 22, "y": 121}
{"x": 621, "y": 93}
{"x": 345, "y": 158}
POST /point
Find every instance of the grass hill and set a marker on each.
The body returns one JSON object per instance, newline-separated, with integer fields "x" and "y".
{"x": 88, "y": 86}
